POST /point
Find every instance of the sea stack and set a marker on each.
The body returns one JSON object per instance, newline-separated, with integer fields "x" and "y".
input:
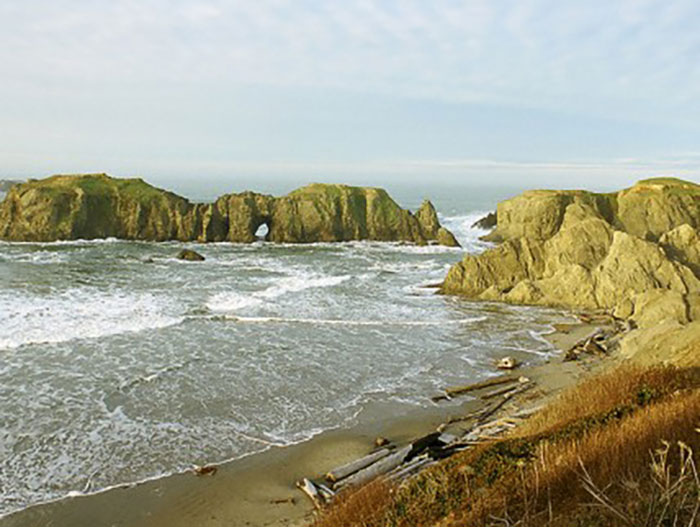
{"x": 69, "y": 207}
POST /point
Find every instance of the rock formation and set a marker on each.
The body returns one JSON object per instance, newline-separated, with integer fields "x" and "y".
{"x": 634, "y": 254}
{"x": 190, "y": 256}
{"x": 487, "y": 222}
{"x": 98, "y": 206}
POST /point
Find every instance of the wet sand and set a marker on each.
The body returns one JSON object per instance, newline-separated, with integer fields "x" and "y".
{"x": 259, "y": 490}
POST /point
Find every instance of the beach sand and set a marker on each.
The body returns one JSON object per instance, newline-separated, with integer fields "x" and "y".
{"x": 259, "y": 490}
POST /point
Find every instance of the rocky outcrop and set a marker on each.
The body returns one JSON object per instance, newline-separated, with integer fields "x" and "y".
{"x": 487, "y": 222}
{"x": 635, "y": 253}
{"x": 430, "y": 226}
{"x": 98, "y": 206}
{"x": 190, "y": 256}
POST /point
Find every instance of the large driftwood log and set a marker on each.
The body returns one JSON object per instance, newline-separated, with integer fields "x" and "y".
{"x": 350, "y": 468}
{"x": 458, "y": 390}
{"x": 379, "y": 468}
{"x": 505, "y": 390}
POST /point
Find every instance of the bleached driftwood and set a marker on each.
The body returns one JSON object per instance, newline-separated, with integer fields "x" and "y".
{"x": 458, "y": 390}
{"x": 308, "y": 488}
{"x": 505, "y": 390}
{"x": 379, "y": 468}
{"x": 350, "y": 468}
{"x": 325, "y": 492}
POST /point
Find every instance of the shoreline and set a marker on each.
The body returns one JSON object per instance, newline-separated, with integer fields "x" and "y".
{"x": 259, "y": 489}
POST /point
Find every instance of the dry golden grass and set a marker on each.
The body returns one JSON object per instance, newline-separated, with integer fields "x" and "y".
{"x": 625, "y": 386}
{"x": 584, "y": 461}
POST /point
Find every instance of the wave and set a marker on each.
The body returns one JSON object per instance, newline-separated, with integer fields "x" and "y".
{"x": 233, "y": 300}
{"x": 79, "y": 242}
{"x": 78, "y": 313}
{"x": 350, "y": 322}
{"x": 467, "y": 236}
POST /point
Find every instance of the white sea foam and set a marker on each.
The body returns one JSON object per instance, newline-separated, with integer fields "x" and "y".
{"x": 228, "y": 301}
{"x": 77, "y": 313}
{"x": 294, "y": 284}
{"x": 467, "y": 236}
{"x": 232, "y": 301}
{"x": 337, "y": 322}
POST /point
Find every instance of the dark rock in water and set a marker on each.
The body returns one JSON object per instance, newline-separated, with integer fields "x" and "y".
{"x": 487, "y": 222}
{"x": 190, "y": 256}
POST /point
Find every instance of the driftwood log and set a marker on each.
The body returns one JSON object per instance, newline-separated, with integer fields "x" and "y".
{"x": 379, "y": 468}
{"x": 350, "y": 468}
{"x": 459, "y": 390}
{"x": 505, "y": 390}
{"x": 595, "y": 344}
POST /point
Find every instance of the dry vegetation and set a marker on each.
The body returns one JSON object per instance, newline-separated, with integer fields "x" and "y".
{"x": 620, "y": 449}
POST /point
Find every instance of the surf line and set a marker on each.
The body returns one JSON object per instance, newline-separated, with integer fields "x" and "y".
{"x": 346, "y": 322}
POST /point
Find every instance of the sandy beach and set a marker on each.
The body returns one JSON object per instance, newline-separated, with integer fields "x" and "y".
{"x": 259, "y": 490}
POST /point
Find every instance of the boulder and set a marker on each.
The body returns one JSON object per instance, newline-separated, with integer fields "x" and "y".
{"x": 190, "y": 256}
{"x": 507, "y": 363}
{"x": 428, "y": 219}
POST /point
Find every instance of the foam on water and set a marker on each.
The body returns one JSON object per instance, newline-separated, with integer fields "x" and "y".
{"x": 78, "y": 313}
{"x": 461, "y": 227}
{"x": 336, "y": 322}
{"x": 233, "y": 300}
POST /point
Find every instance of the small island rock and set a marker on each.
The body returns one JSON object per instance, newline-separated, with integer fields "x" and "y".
{"x": 190, "y": 256}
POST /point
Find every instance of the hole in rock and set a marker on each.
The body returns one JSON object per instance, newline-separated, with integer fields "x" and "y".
{"x": 262, "y": 231}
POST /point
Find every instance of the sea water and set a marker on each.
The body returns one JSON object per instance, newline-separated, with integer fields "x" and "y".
{"x": 119, "y": 362}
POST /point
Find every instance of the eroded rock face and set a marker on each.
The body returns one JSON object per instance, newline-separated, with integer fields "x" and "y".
{"x": 635, "y": 254}
{"x": 573, "y": 249}
{"x": 98, "y": 206}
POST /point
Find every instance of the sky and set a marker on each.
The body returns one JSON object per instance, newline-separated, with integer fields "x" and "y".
{"x": 594, "y": 93}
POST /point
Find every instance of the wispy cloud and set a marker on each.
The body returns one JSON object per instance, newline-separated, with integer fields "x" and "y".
{"x": 527, "y": 52}
{"x": 628, "y": 60}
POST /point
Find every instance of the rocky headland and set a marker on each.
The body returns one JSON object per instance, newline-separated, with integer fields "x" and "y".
{"x": 634, "y": 254}
{"x": 68, "y": 207}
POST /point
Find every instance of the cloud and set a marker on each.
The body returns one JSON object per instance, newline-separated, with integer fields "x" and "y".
{"x": 541, "y": 53}
{"x": 157, "y": 78}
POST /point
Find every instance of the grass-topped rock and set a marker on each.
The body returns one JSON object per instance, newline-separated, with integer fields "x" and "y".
{"x": 92, "y": 206}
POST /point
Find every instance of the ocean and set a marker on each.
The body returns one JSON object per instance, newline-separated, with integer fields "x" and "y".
{"x": 120, "y": 363}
